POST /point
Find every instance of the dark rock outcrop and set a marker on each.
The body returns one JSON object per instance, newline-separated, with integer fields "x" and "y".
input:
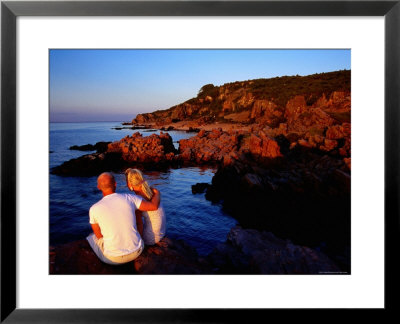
{"x": 246, "y": 251}
{"x": 253, "y": 252}
{"x": 150, "y": 152}
{"x": 166, "y": 257}
{"x": 200, "y": 187}
{"x": 100, "y": 147}
{"x": 304, "y": 198}
{"x": 170, "y": 257}
{"x": 90, "y": 165}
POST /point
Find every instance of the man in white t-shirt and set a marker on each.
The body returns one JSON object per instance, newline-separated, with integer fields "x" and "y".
{"x": 115, "y": 238}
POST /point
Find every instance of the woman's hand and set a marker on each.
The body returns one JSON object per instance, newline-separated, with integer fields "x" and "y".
{"x": 153, "y": 203}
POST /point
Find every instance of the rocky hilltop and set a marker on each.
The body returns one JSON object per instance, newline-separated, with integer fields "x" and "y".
{"x": 321, "y": 99}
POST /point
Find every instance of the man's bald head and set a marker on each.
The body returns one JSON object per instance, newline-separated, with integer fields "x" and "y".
{"x": 106, "y": 183}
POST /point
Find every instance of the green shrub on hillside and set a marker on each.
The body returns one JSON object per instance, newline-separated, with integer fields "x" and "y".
{"x": 281, "y": 89}
{"x": 278, "y": 89}
{"x": 208, "y": 90}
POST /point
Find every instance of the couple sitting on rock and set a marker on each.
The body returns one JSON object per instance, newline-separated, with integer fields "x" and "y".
{"x": 119, "y": 234}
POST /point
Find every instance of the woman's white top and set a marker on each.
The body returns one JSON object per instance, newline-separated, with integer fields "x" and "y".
{"x": 154, "y": 225}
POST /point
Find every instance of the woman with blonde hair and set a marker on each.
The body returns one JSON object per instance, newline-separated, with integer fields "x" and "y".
{"x": 154, "y": 225}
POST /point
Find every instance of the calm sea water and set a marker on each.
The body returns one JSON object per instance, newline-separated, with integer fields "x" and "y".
{"x": 189, "y": 217}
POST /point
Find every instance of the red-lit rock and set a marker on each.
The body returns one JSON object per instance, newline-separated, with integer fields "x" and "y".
{"x": 208, "y": 147}
{"x": 348, "y": 162}
{"x": 263, "y": 146}
{"x": 149, "y": 149}
{"x": 329, "y": 145}
{"x": 339, "y": 131}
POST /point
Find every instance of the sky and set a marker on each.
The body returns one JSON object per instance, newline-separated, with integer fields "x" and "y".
{"x": 116, "y": 85}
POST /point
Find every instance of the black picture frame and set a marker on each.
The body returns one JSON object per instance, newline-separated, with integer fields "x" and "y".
{"x": 10, "y": 10}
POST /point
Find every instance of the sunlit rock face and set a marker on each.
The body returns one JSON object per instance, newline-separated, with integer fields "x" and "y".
{"x": 301, "y": 102}
{"x": 149, "y": 149}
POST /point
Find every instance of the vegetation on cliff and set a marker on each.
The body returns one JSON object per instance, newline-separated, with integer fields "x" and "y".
{"x": 217, "y": 103}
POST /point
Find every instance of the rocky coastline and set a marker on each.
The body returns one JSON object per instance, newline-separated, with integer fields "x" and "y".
{"x": 283, "y": 166}
{"x": 296, "y": 192}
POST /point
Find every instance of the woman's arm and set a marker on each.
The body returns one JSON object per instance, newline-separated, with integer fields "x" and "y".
{"x": 153, "y": 203}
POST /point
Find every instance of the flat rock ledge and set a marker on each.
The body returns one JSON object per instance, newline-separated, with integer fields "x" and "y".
{"x": 246, "y": 251}
{"x": 166, "y": 257}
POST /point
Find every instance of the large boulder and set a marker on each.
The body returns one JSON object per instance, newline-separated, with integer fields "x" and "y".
{"x": 266, "y": 112}
{"x": 308, "y": 119}
{"x": 339, "y": 131}
{"x": 228, "y": 106}
{"x": 227, "y": 146}
{"x": 246, "y": 251}
{"x": 151, "y": 149}
{"x": 166, "y": 257}
{"x": 209, "y": 146}
{"x": 304, "y": 197}
{"x": 100, "y": 147}
{"x": 295, "y": 106}
{"x": 245, "y": 100}
{"x": 254, "y": 252}
{"x": 90, "y": 165}
{"x": 170, "y": 257}
{"x": 340, "y": 100}
{"x": 336, "y": 101}
{"x": 149, "y": 152}
{"x": 179, "y": 113}
{"x": 264, "y": 146}
{"x": 143, "y": 119}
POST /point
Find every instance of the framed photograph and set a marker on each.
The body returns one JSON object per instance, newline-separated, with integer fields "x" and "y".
{"x": 270, "y": 129}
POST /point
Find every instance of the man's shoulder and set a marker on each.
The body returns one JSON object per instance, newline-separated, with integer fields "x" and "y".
{"x": 133, "y": 198}
{"x": 95, "y": 205}
{"x": 98, "y": 204}
{"x": 115, "y": 197}
{"x": 120, "y": 196}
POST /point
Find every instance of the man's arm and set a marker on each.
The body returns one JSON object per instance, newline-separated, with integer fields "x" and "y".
{"x": 139, "y": 222}
{"x": 153, "y": 204}
{"x": 96, "y": 230}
